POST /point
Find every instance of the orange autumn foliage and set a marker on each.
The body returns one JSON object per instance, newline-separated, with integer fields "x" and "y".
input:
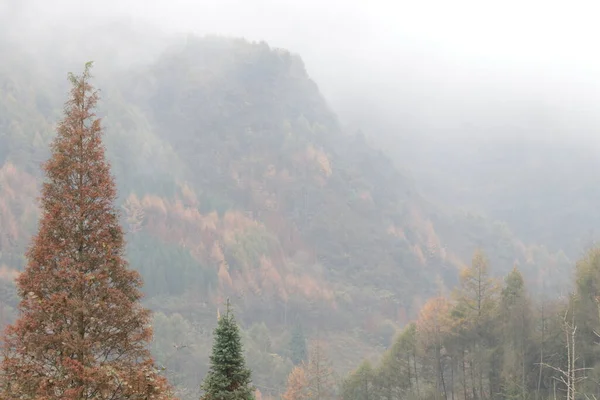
{"x": 297, "y": 385}
{"x": 432, "y": 320}
{"x": 208, "y": 237}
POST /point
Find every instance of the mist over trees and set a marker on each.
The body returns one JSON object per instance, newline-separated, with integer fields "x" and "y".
{"x": 394, "y": 215}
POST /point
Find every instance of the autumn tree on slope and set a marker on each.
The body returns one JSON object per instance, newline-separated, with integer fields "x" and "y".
{"x": 81, "y": 332}
{"x": 297, "y": 385}
{"x": 516, "y": 333}
{"x": 476, "y": 303}
{"x": 312, "y": 380}
{"x": 227, "y": 378}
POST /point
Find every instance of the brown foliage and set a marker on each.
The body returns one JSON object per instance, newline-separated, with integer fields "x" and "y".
{"x": 311, "y": 380}
{"x": 208, "y": 236}
{"x": 432, "y": 320}
{"x": 81, "y": 332}
{"x": 297, "y": 385}
{"x": 320, "y": 160}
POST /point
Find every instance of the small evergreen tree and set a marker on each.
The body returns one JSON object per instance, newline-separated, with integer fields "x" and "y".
{"x": 227, "y": 378}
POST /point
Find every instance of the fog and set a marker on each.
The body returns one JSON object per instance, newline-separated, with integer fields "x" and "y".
{"x": 438, "y": 84}
{"x": 434, "y": 68}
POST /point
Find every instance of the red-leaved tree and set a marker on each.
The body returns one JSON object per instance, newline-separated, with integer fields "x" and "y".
{"x": 82, "y": 332}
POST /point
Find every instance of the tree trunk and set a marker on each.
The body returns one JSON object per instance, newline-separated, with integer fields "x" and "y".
{"x": 473, "y": 388}
{"x": 464, "y": 375}
{"x": 442, "y": 379}
{"x": 416, "y": 373}
{"x": 452, "y": 361}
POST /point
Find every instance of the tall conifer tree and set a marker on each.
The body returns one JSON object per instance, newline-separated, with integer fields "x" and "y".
{"x": 228, "y": 378}
{"x": 81, "y": 332}
{"x": 298, "y": 349}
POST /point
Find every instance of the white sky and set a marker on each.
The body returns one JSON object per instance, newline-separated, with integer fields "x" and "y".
{"x": 520, "y": 31}
{"x": 442, "y": 60}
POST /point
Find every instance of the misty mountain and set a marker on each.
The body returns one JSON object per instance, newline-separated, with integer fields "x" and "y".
{"x": 237, "y": 180}
{"x": 540, "y": 184}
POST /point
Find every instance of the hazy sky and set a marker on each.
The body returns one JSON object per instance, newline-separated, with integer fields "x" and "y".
{"x": 437, "y": 63}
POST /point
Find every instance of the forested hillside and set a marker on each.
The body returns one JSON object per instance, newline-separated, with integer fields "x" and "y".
{"x": 236, "y": 180}
{"x": 491, "y": 339}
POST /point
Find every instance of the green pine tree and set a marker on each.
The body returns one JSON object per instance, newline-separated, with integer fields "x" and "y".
{"x": 298, "y": 350}
{"x": 227, "y": 378}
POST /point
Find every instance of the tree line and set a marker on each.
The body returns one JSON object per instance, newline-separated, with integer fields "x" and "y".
{"x": 491, "y": 340}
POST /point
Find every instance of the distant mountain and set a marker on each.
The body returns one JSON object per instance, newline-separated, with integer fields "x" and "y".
{"x": 236, "y": 180}
{"x": 528, "y": 161}
{"x": 544, "y": 189}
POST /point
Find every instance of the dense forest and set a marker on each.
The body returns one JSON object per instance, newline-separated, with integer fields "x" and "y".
{"x": 236, "y": 180}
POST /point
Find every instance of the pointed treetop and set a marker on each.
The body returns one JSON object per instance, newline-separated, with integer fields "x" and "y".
{"x": 228, "y": 304}
{"x": 228, "y": 377}
{"x": 74, "y": 79}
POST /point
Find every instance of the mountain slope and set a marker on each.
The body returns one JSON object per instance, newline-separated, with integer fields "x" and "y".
{"x": 236, "y": 180}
